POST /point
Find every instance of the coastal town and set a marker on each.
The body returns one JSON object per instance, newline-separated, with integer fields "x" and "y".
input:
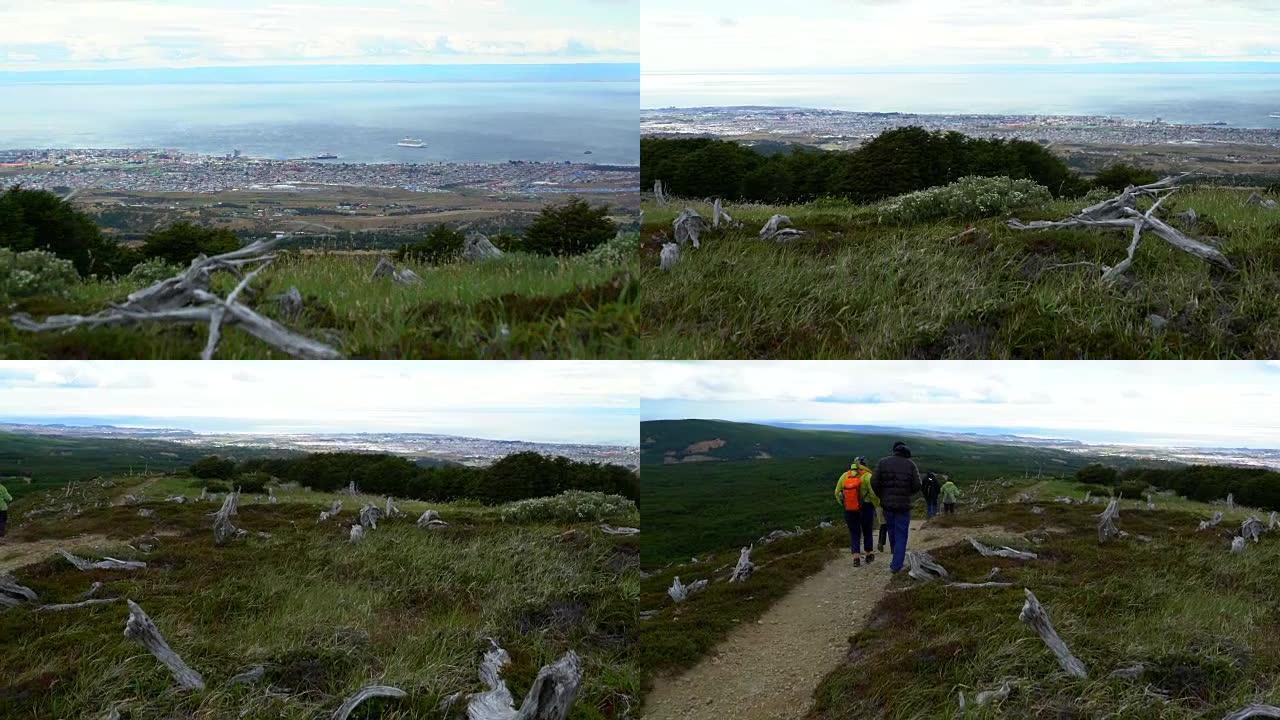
{"x": 836, "y": 128}
{"x": 145, "y": 170}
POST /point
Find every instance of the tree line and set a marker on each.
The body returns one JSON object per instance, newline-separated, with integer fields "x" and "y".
{"x": 514, "y": 477}
{"x": 895, "y": 162}
{"x": 1254, "y": 487}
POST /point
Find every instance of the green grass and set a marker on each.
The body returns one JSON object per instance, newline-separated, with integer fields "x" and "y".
{"x": 853, "y": 288}
{"x": 1203, "y": 620}
{"x": 406, "y": 607}
{"x": 518, "y": 306}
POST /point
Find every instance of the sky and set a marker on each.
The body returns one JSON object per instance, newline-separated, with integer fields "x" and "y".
{"x": 559, "y": 402}
{"x": 744, "y": 35}
{"x": 117, "y": 34}
{"x": 1223, "y": 404}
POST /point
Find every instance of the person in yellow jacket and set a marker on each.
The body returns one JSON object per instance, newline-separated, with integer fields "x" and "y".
{"x": 859, "y": 501}
{"x": 5, "y": 499}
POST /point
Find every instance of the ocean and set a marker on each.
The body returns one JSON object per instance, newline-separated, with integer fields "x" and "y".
{"x": 359, "y": 116}
{"x": 1244, "y": 99}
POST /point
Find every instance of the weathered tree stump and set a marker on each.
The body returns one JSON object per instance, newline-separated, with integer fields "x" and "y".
{"x": 688, "y": 226}
{"x": 549, "y": 698}
{"x": 369, "y": 516}
{"x": 477, "y": 247}
{"x": 669, "y": 257}
{"x": 608, "y": 529}
{"x": 1034, "y": 615}
{"x": 390, "y": 509}
{"x": 140, "y": 629}
{"x": 742, "y": 571}
{"x": 1237, "y": 544}
{"x": 357, "y": 534}
{"x": 223, "y": 529}
{"x": 779, "y": 228}
{"x": 13, "y": 594}
{"x": 718, "y": 215}
{"x": 1107, "y": 521}
{"x": 1251, "y": 528}
{"x": 430, "y": 520}
{"x": 659, "y": 193}
{"x": 1211, "y": 522}
{"x": 921, "y": 566}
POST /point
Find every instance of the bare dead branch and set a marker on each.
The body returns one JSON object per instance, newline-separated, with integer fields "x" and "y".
{"x": 105, "y": 563}
{"x": 921, "y": 566}
{"x": 13, "y": 594}
{"x": 1003, "y": 551}
{"x": 1254, "y": 711}
{"x": 1034, "y": 615}
{"x": 549, "y": 698}
{"x": 140, "y": 629}
{"x": 365, "y": 693}
{"x": 742, "y": 571}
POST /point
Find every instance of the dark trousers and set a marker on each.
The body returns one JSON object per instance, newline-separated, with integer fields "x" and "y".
{"x": 930, "y": 507}
{"x": 4, "y": 521}
{"x": 860, "y": 524}
{"x": 899, "y": 522}
{"x": 884, "y": 533}
{"x": 949, "y": 508}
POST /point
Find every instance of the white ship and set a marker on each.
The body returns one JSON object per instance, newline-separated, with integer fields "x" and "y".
{"x": 412, "y": 142}
{"x": 1275, "y": 115}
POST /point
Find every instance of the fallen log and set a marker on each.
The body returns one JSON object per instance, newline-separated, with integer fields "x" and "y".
{"x": 333, "y": 510}
{"x": 186, "y": 299}
{"x": 430, "y": 520}
{"x": 140, "y": 629}
{"x": 365, "y": 693}
{"x": 77, "y": 605}
{"x": 779, "y": 227}
{"x": 921, "y": 566}
{"x": 549, "y": 698}
{"x": 1254, "y": 711}
{"x": 974, "y": 586}
{"x": 1034, "y": 615}
{"x": 248, "y": 677}
{"x": 1003, "y": 551}
{"x": 742, "y": 571}
{"x": 13, "y": 594}
{"x": 608, "y": 529}
{"x": 105, "y": 563}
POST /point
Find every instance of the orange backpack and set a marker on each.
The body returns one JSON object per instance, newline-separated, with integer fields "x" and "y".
{"x": 850, "y": 491}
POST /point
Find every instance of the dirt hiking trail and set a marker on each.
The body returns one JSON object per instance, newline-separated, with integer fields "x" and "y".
{"x": 769, "y": 669}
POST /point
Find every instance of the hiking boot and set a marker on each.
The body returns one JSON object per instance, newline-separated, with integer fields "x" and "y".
{"x": 880, "y": 548}
{"x": 857, "y": 561}
{"x": 871, "y": 556}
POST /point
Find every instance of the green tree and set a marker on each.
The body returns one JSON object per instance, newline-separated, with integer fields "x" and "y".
{"x": 1097, "y": 474}
{"x": 1120, "y": 176}
{"x": 571, "y": 228}
{"x": 442, "y": 244}
{"x": 40, "y": 220}
{"x": 182, "y": 242}
{"x": 214, "y": 467}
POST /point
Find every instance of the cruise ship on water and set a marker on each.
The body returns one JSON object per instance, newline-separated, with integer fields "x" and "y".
{"x": 412, "y": 143}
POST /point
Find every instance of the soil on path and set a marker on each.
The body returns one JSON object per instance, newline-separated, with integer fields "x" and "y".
{"x": 768, "y": 670}
{"x": 14, "y": 554}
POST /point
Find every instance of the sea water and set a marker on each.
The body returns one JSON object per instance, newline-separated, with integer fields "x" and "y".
{"x": 359, "y": 120}
{"x": 1238, "y": 99}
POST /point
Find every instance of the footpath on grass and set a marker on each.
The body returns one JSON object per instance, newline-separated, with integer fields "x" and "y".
{"x": 768, "y": 670}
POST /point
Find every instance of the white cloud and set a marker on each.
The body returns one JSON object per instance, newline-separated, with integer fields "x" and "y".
{"x": 1227, "y": 401}
{"x": 682, "y": 36}
{"x": 547, "y": 401}
{"x": 87, "y": 34}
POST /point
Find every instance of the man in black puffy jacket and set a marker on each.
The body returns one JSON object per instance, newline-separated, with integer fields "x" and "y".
{"x": 895, "y": 481}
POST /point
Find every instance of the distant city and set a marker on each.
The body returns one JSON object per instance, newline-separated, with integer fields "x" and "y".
{"x": 149, "y": 170}
{"x": 833, "y": 126}
{"x": 465, "y": 450}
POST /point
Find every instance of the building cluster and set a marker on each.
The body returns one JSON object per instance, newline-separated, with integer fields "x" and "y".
{"x": 834, "y": 126}
{"x": 171, "y": 171}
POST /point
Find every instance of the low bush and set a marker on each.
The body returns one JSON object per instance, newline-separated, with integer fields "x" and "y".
{"x": 571, "y": 228}
{"x": 968, "y": 198}
{"x": 253, "y": 482}
{"x": 1120, "y": 176}
{"x": 150, "y": 272}
{"x": 569, "y": 506}
{"x": 182, "y": 242}
{"x": 34, "y": 272}
{"x": 618, "y": 251}
{"x": 213, "y": 466}
{"x": 440, "y": 245}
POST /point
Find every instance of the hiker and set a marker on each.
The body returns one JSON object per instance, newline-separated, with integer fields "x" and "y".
{"x": 5, "y": 499}
{"x": 949, "y": 494}
{"x": 929, "y": 488}
{"x": 854, "y": 493}
{"x": 895, "y": 480}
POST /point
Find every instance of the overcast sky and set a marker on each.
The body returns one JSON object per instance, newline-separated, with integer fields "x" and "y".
{"x": 92, "y": 34}
{"x": 682, "y": 36}
{"x": 1165, "y": 403}
{"x": 592, "y": 402}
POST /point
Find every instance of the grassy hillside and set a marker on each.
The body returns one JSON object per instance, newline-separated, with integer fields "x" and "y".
{"x": 855, "y": 288}
{"x": 406, "y": 607}
{"x": 1200, "y": 620}
{"x": 517, "y": 306}
{"x": 698, "y": 506}
{"x": 36, "y": 462}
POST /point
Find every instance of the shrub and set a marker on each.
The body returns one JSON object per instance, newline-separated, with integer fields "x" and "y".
{"x": 1120, "y": 176}
{"x": 150, "y": 272}
{"x": 40, "y": 220}
{"x": 253, "y": 482}
{"x": 967, "y": 198}
{"x": 620, "y": 250}
{"x": 213, "y": 486}
{"x": 507, "y": 241}
{"x": 571, "y": 228}
{"x": 1097, "y": 474}
{"x": 569, "y": 506}
{"x": 34, "y": 272}
{"x": 1132, "y": 489}
{"x": 212, "y": 466}
{"x": 182, "y": 242}
{"x": 440, "y": 245}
